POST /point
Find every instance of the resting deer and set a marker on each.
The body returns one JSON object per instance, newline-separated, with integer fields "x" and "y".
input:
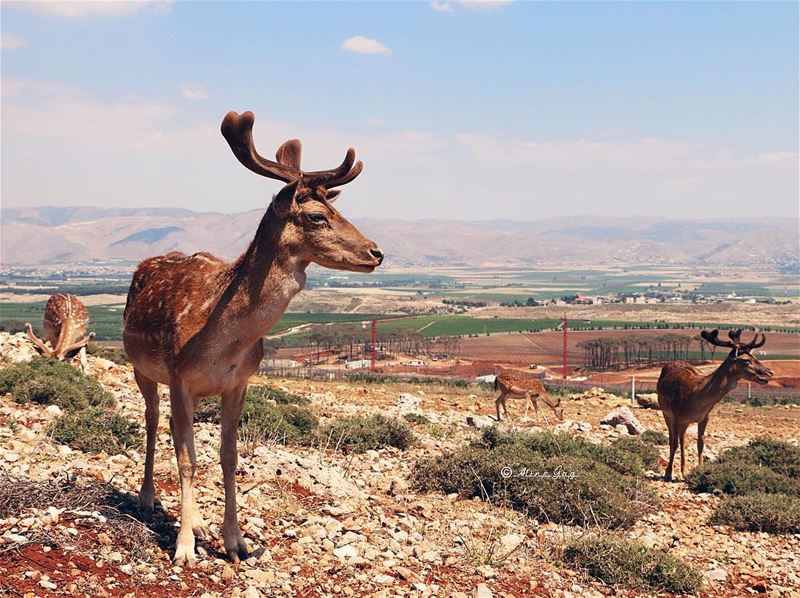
{"x": 687, "y": 396}
{"x": 196, "y": 322}
{"x": 65, "y": 321}
{"x": 528, "y": 389}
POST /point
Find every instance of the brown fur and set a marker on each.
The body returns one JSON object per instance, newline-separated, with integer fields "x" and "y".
{"x": 687, "y": 396}
{"x": 65, "y": 322}
{"x": 529, "y": 389}
{"x": 196, "y": 322}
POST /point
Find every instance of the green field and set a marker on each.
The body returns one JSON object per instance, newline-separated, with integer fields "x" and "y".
{"x": 106, "y": 320}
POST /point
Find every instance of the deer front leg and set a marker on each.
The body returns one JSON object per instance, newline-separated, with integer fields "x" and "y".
{"x": 701, "y": 430}
{"x": 83, "y": 361}
{"x": 182, "y": 414}
{"x": 149, "y": 390}
{"x": 673, "y": 446}
{"x": 682, "y": 436}
{"x": 497, "y": 406}
{"x": 232, "y": 403}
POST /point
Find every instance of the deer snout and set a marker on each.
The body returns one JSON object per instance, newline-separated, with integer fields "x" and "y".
{"x": 376, "y": 254}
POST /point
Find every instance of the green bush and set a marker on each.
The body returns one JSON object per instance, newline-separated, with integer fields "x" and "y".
{"x": 359, "y": 434}
{"x": 417, "y": 418}
{"x": 96, "y": 430}
{"x": 740, "y": 477}
{"x": 51, "y": 382}
{"x": 620, "y": 562}
{"x": 285, "y": 424}
{"x": 760, "y": 512}
{"x": 548, "y": 476}
{"x": 627, "y": 456}
{"x": 780, "y": 457}
{"x": 654, "y": 437}
{"x": 258, "y": 398}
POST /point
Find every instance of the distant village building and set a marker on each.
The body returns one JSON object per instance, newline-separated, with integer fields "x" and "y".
{"x": 415, "y": 362}
{"x": 358, "y": 364}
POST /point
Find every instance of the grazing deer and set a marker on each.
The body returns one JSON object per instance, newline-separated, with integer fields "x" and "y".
{"x": 196, "y": 322}
{"x": 65, "y": 321}
{"x": 687, "y": 396}
{"x": 528, "y": 389}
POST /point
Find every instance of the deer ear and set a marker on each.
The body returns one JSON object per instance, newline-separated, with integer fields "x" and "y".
{"x": 282, "y": 202}
{"x": 332, "y": 195}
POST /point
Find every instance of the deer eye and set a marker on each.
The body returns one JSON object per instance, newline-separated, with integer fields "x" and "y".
{"x": 317, "y": 218}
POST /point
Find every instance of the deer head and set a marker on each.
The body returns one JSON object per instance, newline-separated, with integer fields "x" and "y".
{"x": 313, "y": 230}
{"x": 741, "y": 362}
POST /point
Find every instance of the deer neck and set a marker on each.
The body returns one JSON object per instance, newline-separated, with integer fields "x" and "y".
{"x": 719, "y": 383}
{"x": 263, "y": 280}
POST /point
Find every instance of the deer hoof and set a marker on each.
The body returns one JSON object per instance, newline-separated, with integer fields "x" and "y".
{"x": 235, "y": 547}
{"x": 184, "y": 556}
{"x": 201, "y": 531}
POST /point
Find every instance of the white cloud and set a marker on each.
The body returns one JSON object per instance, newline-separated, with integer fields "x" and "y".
{"x": 194, "y": 92}
{"x": 484, "y": 4}
{"x": 450, "y": 5}
{"x": 364, "y": 45}
{"x": 9, "y": 41}
{"x": 92, "y": 8}
{"x": 442, "y": 6}
{"x": 143, "y": 152}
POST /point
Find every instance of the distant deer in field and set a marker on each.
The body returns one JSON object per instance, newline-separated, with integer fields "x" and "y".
{"x": 687, "y": 396}
{"x": 196, "y": 322}
{"x": 65, "y": 321}
{"x": 528, "y": 389}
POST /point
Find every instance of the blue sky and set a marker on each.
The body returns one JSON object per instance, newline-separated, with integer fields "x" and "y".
{"x": 458, "y": 109}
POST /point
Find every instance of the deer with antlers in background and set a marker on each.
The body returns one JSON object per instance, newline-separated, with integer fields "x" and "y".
{"x": 65, "y": 322}
{"x": 528, "y": 389}
{"x": 196, "y": 322}
{"x": 687, "y": 396}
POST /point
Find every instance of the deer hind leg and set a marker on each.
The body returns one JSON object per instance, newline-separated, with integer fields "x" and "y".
{"x": 149, "y": 390}
{"x": 232, "y": 403}
{"x": 497, "y": 405}
{"x": 182, "y": 414}
{"x": 701, "y": 430}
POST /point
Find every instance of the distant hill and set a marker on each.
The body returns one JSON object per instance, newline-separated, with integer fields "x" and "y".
{"x": 50, "y": 235}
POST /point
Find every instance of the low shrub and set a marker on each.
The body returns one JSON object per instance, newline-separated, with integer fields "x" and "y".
{"x": 51, "y": 382}
{"x": 263, "y": 422}
{"x": 96, "y": 430}
{"x": 359, "y": 434}
{"x": 780, "y": 457}
{"x": 258, "y": 398}
{"x": 417, "y": 418}
{"x": 740, "y": 477}
{"x": 760, "y": 512}
{"x": 654, "y": 437}
{"x": 620, "y": 562}
{"x": 627, "y": 456}
{"x": 547, "y": 476}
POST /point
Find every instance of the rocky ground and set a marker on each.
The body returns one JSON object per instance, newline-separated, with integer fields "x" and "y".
{"x": 321, "y": 523}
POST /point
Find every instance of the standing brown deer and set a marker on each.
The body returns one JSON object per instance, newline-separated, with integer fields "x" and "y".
{"x": 529, "y": 389}
{"x": 196, "y": 322}
{"x": 687, "y": 396}
{"x": 65, "y": 321}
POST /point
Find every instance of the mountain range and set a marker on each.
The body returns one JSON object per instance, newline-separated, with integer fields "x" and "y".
{"x": 77, "y": 235}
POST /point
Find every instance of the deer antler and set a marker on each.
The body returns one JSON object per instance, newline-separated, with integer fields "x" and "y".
{"x": 754, "y": 344}
{"x": 79, "y": 344}
{"x": 735, "y": 335}
{"x": 38, "y": 343}
{"x": 713, "y": 338}
{"x": 238, "y": 132}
